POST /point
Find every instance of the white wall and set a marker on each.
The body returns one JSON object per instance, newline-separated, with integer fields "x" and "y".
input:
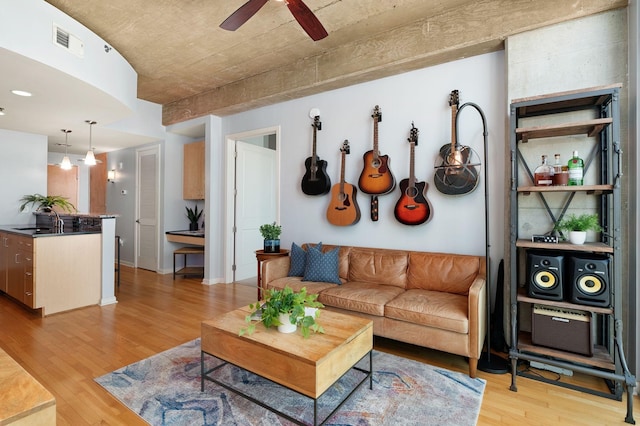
{"x": 422, "y": 97}
{"x": 24, "y": 171}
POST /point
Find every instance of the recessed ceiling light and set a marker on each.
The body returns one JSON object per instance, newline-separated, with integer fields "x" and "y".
{"x": 21, "y": 92}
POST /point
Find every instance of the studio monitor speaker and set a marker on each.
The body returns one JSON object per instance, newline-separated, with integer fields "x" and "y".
{"x": 588, "y": 278}
{"x": 545, "y": 275}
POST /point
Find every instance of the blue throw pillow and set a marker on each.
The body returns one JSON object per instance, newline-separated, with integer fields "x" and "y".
{"x": 322, "y": 267}
{"x": 298, "y": 260}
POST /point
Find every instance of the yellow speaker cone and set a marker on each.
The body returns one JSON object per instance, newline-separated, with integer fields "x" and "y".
{"x": 590, "y": 284}
{"x": 544, "y": 279}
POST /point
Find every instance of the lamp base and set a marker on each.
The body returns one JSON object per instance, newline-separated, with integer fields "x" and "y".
{"x": 492, "y": 364}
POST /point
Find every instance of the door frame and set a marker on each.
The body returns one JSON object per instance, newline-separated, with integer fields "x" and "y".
{"x": 136, "y": 233}
{"x": 230, "y": 210}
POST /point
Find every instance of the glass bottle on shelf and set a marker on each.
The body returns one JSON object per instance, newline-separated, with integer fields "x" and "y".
{"x": 576, "y": 169}
{"x": 543, "y": 174}
{"x": 560, "y": 172}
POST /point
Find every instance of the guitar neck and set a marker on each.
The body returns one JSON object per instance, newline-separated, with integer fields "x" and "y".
{"x": 412, "y": 158}
{"x": 454, "y": 111}
{"x": 375, "y": 138}
{"x": 313, "y": 150}
{"x": 342, "y": 173}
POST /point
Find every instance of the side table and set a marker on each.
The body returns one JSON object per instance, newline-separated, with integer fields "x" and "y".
{"x": 261, "y": 256}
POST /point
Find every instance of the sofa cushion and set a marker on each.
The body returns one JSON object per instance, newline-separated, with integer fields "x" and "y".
{"x": 322, "y": 266}
{"x": 368, "y": 298}
{"x": 443, "y": 272}
{"x": 437, "y": 309}
{"x": 297, "y": 284}
{"x": 298, "y": 260}
{"x": 378, "y": 266}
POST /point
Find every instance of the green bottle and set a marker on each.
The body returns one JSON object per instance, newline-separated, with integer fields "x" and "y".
{"x": 576, "y": 169}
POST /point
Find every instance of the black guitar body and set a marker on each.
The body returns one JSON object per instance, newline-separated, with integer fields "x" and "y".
{"x": 315, "y": 182}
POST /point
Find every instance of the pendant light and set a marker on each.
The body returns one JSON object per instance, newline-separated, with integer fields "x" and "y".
{"x": 66, "y": 163}
{"x": 90, "y": 159}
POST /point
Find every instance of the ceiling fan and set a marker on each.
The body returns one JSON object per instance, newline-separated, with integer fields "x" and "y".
{"x": 299, "y": 10}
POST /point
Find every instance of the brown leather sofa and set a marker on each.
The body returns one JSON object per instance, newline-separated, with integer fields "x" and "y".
{"x": 435, "y": 300}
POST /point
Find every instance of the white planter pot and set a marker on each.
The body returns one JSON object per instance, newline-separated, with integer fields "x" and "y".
{"x": 285, "y": 324}
{"x": 577, "y": 237}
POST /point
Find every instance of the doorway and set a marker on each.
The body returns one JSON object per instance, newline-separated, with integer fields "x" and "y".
{"x": 147, "y": 201}
{"x": 253, "y": 197}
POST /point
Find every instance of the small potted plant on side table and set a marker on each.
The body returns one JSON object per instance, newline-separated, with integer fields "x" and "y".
{"x": 286, "y": 309}
{"x": 577, "y": 226}
{"x": 271, "y": 234}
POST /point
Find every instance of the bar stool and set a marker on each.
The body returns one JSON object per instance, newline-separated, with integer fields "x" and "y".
{"x": 187, "y": 270}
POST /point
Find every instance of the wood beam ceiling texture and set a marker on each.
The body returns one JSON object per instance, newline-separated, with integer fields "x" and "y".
{"x": 193, "y": 68}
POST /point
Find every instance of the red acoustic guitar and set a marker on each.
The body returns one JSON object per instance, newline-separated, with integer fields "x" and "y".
{"x": 343, "y": 209}
{"x": 376, "y": 177}
{"x": 413, "y": 207}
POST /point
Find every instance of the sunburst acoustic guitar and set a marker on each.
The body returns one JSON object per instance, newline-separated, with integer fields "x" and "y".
{"x": 343, "y": 208}
{"x": 455, "y": 175}
{"x": 315, "y": 181}
{"x": 413, "y": 207}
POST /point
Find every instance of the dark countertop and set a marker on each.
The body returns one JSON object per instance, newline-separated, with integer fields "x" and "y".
{"x": 33, "y": 231}
{"x": 199, "y": 233}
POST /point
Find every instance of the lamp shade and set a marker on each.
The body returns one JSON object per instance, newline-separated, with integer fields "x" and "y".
{"x": 66, "y": 163}
{"x": 90, "y": 159}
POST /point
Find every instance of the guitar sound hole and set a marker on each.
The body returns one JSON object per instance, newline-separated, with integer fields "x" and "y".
{"x": 375, "y": 164}
{"x": 411, "y": 192}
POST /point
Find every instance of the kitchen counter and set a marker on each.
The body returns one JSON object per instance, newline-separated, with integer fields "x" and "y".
{"x": 35, "y": 231}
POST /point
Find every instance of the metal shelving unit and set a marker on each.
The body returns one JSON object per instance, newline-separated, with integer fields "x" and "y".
{"x": 608, "y": 359}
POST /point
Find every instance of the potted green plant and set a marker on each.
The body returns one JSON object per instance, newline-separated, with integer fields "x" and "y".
{"x": 577, "y": 226}
{"x": 194, "y": 216}
{"x": 271, "y": 234}
{"x": 47, "y": 203}
{"x": 287, "y": 310}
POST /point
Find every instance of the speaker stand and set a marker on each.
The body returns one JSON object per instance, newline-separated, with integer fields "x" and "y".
{"x": 493, "y": 364}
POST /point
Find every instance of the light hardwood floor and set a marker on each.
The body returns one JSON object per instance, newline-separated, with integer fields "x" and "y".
{"x": 66, "y": 351}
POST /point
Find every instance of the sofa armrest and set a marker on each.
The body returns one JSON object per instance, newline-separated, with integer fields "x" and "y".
{"x": 477, "y": 316}
{"x": 275, "y": 268}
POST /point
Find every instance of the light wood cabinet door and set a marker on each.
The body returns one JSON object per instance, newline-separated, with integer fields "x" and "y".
{"x": 193, "y": 171}
{"x": 4, "y": 258}
{"x": 20, "y": 269}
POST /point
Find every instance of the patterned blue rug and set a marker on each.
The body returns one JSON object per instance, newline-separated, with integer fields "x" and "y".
{"x": 165, "y": 390}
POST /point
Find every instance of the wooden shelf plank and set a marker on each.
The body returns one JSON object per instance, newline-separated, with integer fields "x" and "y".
{"x": 586, "y": 247}
{"x": 523, "y": 297}
{"x": 600, "y": 358}
{"x": 589, "y": 127}
{"x": 590, "y": 189}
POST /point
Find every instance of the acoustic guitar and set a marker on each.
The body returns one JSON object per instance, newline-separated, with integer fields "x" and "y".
{"x": 413, "y": 207}
{"x": 455, "y": 175}
{"x": 376, "y": 177}
{"x": 315, "y": 181}
{"x": 343, "y": 209}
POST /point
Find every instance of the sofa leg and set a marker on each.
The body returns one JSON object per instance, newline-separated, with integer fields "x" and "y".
{"x": 473, "y": 367}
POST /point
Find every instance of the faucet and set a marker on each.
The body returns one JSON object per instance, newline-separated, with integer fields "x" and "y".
{"x": 58, "y": 225}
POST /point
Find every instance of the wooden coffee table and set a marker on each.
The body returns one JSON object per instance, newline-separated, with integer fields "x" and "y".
{"x": 308, "y": 366}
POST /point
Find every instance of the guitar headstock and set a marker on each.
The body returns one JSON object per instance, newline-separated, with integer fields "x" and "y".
{"x": 377, "y": 114}
{"x": 317, "y": 124}
{"x": 454, "y": 99}
{"x": 413, "y": 134}
{"x": 345, "y": 147}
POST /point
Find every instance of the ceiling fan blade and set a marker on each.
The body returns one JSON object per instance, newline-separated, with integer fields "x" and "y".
{"x": 242, "y": 15}
{"x": 307, "y": 19}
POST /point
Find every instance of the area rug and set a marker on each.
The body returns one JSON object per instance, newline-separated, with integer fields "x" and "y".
{"x": 165, "y": 390}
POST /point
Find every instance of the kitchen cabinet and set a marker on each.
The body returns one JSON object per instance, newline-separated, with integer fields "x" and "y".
{"x": 571, "y": 294}
{"x": 20, "y": 269}
{"x": 193, "y": 180}
{"x": 4, "y": 259}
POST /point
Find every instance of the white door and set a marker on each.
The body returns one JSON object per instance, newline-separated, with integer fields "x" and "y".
{"x": 147, "y": 209}
{"x": 255, "y": 203}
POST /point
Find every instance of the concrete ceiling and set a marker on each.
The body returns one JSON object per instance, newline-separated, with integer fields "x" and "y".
{"x": 188, "y": 64}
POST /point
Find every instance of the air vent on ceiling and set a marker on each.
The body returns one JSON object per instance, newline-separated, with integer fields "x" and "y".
{"x": 68, "y": 41}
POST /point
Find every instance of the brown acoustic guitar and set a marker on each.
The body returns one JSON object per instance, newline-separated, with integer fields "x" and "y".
{"x": 413, "y": 207}
{"x": 343, "y": 208}
{"x": 455, "y": 175}
{"x": 376, "y": 177}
